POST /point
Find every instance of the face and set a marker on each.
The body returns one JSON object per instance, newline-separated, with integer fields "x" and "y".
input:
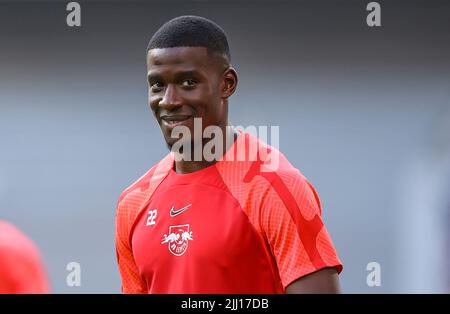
{"x": 187, "y": 83}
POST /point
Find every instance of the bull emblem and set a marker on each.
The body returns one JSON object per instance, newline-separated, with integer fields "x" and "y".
{"x": 178, "y": 239}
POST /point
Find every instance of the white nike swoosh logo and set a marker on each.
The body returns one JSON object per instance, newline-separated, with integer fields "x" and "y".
{"x": 174, "y": 212}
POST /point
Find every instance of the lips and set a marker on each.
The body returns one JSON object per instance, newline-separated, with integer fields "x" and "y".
{"x": 172, "y": 121}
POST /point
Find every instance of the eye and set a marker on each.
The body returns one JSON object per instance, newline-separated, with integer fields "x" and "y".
{"x": 188, "y": 83}
{"x": 156, "y": 86}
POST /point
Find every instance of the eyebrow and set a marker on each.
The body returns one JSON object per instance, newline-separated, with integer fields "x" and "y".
{"x": 153, "y": 77}
{"x": 178, "y": 75}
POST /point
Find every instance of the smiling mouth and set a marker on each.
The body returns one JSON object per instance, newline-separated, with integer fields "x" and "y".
{"x": 175, "y": 120}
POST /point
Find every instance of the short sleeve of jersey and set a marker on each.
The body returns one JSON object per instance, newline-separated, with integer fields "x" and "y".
{"x": 130, "y": 202}
{"x": 292, "y": 223}
{"x": 131, "y": 280}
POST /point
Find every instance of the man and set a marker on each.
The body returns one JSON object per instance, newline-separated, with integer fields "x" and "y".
{"x": 222, "y": 226}
{"x": 21, "y": 267}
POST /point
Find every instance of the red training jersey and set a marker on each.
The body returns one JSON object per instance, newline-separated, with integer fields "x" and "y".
{"x": 21, "y": 267}
{"x": 234, "y": 227}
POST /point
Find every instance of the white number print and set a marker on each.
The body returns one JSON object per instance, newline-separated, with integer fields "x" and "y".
{"x": 151, "y": 217}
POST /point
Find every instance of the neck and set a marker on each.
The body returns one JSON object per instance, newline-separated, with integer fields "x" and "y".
{"x": 184, "y": 167}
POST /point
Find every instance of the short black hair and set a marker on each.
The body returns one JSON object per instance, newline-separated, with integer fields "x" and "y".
{"x": 191, "y": 31}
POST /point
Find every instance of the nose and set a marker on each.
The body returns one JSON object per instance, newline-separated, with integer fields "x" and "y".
{"x": 170, "y": 99}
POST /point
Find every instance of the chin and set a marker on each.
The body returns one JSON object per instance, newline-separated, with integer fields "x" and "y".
{"x": 170, "y": 142}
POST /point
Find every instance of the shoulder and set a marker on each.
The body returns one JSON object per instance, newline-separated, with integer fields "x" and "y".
{"x": 21, "y": 267}
{"x": 147, "y": 181}
{"x": 137, "y": 186}
{"x": 11, "y": 236}
{"x": 15, "y": 245}
{"x": 269, "y": 166}
{"x": 134, "y": 197}
{"x": 264, "y": 177}
{"x": 287, "y": 187}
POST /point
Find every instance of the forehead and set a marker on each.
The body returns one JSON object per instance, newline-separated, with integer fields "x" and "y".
{"x": 190, "y": 56}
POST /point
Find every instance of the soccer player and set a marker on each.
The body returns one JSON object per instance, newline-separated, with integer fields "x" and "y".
{"x": 223, "y": 226}
{"x": 21, "y": 267}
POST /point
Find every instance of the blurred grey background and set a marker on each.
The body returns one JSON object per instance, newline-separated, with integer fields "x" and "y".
{"x": 363, "y": 112}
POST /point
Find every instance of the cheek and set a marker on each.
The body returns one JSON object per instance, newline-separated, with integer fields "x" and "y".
{"x": 153, "y": 102}
{"x": 212, "y": 99}
{"x": 198, "y": 98}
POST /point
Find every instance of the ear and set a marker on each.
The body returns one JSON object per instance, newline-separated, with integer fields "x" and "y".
{"x": 229, "y": 82}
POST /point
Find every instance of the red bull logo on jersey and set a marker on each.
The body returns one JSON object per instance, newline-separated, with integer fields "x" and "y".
{"x": 178, "y": 239}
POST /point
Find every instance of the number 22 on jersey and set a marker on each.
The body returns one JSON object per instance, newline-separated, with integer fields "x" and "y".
{"x": 151, "y": 217}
